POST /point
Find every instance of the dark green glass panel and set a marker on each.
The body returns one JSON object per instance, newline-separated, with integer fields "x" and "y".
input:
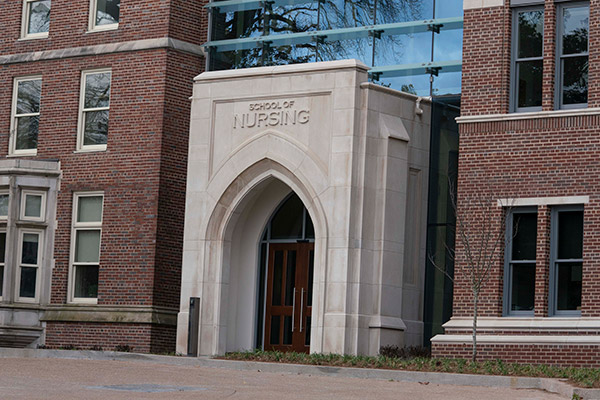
{"x": 523, "y": 287}
{"x": 531, "y": 34}
{"x": 2, "y": 246}
{"x": 568, "y": 293}
{"x": 30, "y": 248}
{"x": 524, "y": 236}
{"x": 287, "y": 330}
{"x": 86, "y": 281}
{"x": 277, "y": 277}
{"x": 275, "y": 325}
{"x": 575, "y": 80}
{"x": 28, "y": 278}
{"x": 290, "y": 277}
{"x": 570, "y": 235}
{"x": 287, "y": 222}
{"x": 530, "y": 83}
{"x": 576, "y": 23}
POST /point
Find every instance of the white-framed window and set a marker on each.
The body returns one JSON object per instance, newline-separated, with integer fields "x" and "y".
{"x": 33, "y": 205}
{"x": 2, "y": 259}
{"x": 24, "y": 126}
{"x": 4, "y": 205}
{"x": 104, "y": 14}
{"x": 85, "y": 246}
{"x": 29, "y": 262}
{"x": 36, "y": 19}
{"x": 93, "y": 110}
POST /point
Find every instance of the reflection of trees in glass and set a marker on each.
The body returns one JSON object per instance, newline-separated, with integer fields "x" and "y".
{"x": 27, "y": 114}
{"x": 108, "y": 12}
{"x": 306, "y": 17}
{"x": 96, "y": 103}
{"x": 574, "y": 55}
{"x": 39, "y": 17}
{"x": 531, "y": 32}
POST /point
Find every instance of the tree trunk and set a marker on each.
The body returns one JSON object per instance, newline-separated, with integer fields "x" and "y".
{"x": 476, "y": 303}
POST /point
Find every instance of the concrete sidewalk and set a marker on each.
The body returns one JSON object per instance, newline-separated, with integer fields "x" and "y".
{"x": 59, "y": 374}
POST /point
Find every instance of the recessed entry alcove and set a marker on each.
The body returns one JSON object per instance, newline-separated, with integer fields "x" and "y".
{"x": 296, "y": 228}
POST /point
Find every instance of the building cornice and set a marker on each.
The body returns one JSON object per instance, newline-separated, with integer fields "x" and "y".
{"x": 471, "y": 119}
{"x": 101, "y": 49}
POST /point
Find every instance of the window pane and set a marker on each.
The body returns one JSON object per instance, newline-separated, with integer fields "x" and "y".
{"x": 33, "y": 205}
{"x": 275, "y": 325}
{"x": 524, "y": 236}
{"x": 523, "y": 287}
{"x": 39, "y": 17}
{"x": 287, "y": 330}
{"x": 531, "y": 34}
{"x": 575, "y": 80}
{"x": 530, "y": 83}
{"x": 335, "y": 14}
{"x": 3, "y": 205}
{"x": 107, "y": 12}
{"x": 575, "y": 30}
{"x": 568, "y": 295}
{"x": 30, "y": 248}
{"x": 89, "y": 209}
{"x": 28, "y": 278}
{"x": 86, "y": 281}
{"x": 97, "y": 90}
{"x": 1, "y": 279}
{"x": 96, "y": 127}
{"x": 287, "y": 223}
{"x": 239, "y": 24}
{"x": 2, "y": 247}
{"x": 391, "y": 11}
{"x": 277, "y": 277}
{"x": 28, "y": 98}
{"x": 87, "y": 246}
{"x": 570, "y": 235}
{"x": 294, "y": 18}
{"x": 27, "y": 132}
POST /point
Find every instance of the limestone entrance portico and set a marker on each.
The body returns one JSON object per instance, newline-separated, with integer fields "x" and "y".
{"x": 356, "y": 155}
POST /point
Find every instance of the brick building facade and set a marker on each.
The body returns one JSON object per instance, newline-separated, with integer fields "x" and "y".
{"x": 529, "y": 142}
{"x": 94, "y": 116}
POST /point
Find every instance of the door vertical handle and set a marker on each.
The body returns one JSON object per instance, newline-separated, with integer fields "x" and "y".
{"x": 301, "y": 308}
{"x": 293, "y": 309}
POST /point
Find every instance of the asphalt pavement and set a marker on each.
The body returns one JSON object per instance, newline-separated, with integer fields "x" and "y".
{"x": 48, "y": 378}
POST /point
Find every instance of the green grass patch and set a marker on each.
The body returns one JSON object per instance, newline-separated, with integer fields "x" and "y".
{"x": 582, "y": 377}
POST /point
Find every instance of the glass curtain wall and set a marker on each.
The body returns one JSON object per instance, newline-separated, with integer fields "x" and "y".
{"x": 284, "y": 20}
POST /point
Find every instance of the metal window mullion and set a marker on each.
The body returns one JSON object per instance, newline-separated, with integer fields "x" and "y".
{"x": 27, "y": 115}
{"x": 96, "y": 109}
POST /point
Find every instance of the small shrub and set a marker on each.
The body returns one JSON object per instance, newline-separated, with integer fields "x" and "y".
{"x": 68, "y": 347}
{"x": 393, "y": 351}
{"x": 96, "y": 348}
{"x": 124, "y": 348}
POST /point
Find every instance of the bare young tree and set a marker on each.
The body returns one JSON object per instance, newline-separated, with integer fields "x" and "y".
{"x": 481, "y": 238}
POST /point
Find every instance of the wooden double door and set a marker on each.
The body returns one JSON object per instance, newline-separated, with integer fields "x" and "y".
{"x": 289, "y": 297}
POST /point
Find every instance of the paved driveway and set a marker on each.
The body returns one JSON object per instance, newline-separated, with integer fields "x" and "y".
{"x": 93, "y": 379}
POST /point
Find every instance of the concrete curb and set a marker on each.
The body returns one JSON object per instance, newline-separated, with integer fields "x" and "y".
{"x": 551, "y": 385}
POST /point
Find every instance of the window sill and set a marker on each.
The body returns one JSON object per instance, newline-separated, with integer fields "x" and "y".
{"x": 33, "y": 37}
{"x": 528, "y": 115}
{"x": 95, "y": 150}
{"x": 103, "y": 28}
{"x": 30, "y": 154}
{"x": 83, "y": 302}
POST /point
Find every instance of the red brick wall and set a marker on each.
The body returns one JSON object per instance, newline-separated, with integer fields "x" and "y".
{"x": 560, "y": 355}
{"x": 141, "y": 338}
{"x": 171, "y": 204}
{"x": 486, "y": 61}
